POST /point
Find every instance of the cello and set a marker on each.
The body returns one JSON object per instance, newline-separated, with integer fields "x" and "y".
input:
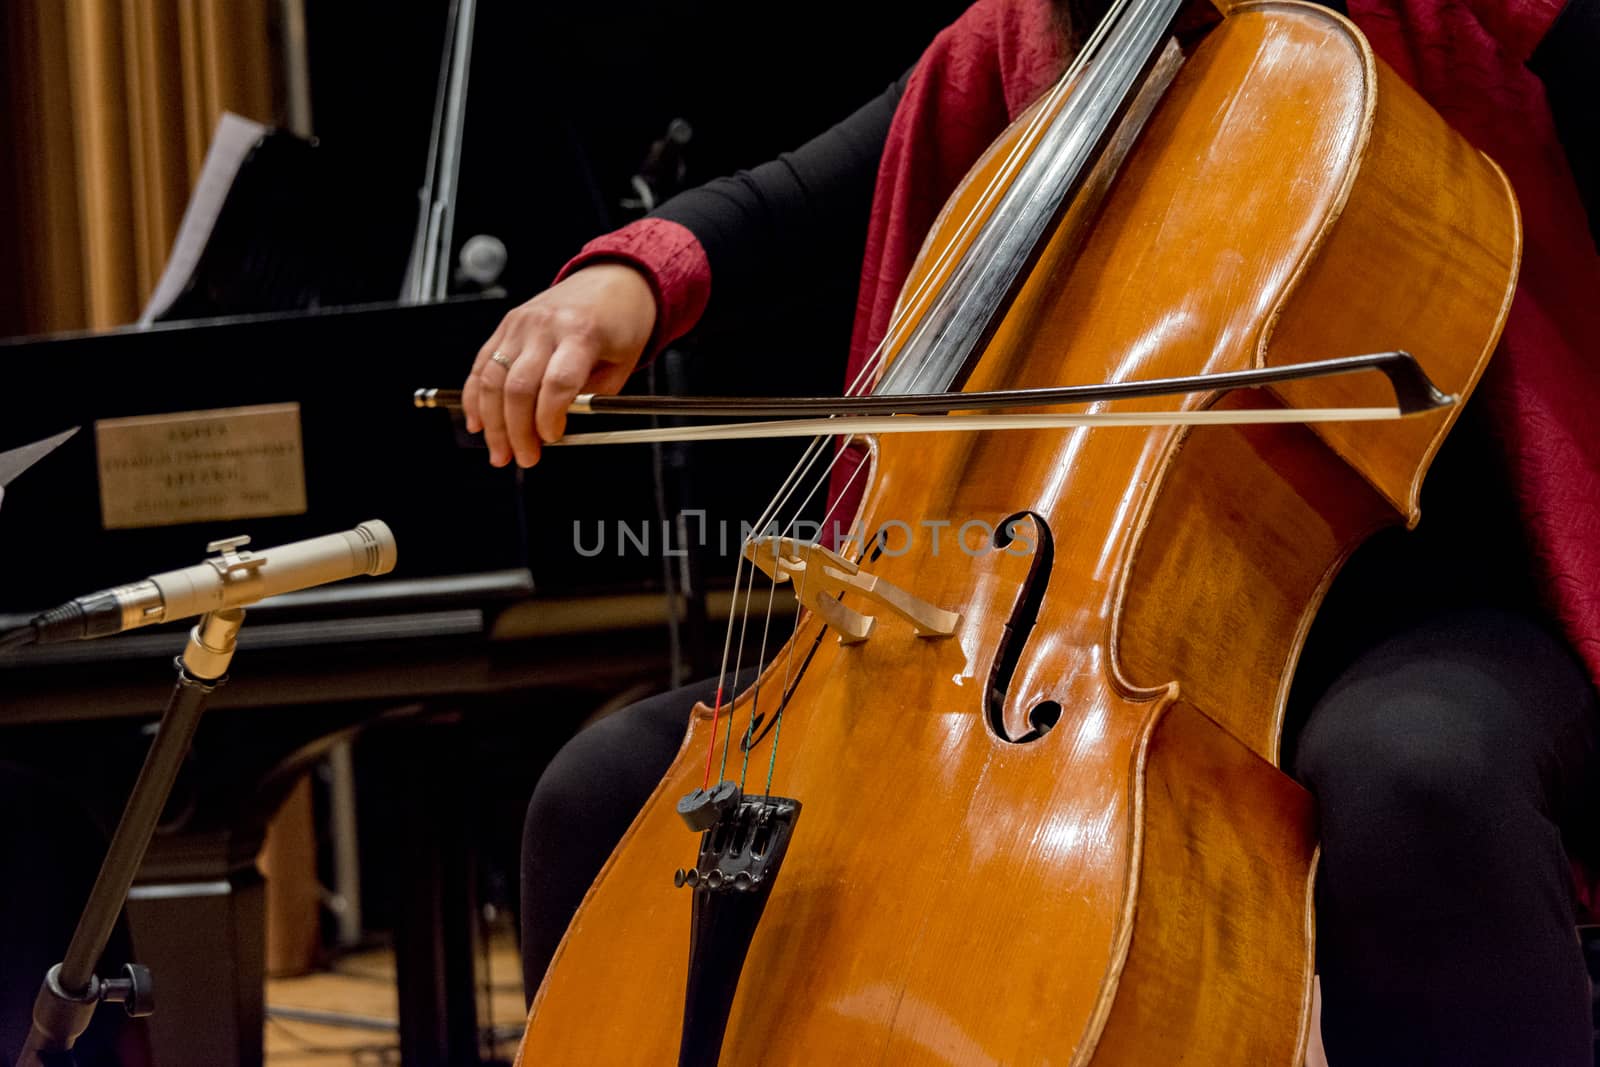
{"x": 1018, "y": 801}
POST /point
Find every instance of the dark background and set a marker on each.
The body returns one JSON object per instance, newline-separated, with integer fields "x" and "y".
{"x": 566, "y": 99}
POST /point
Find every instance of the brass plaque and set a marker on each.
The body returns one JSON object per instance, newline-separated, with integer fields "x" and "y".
{"x": 196, "y": 466}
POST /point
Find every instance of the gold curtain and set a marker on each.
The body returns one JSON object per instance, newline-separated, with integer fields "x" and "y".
{"x": 111, "y": 104}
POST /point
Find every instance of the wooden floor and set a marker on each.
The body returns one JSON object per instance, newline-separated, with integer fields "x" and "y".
{"x": 361, "y": 986}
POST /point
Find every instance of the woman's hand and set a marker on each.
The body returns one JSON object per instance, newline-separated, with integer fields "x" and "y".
{"x": 584, "y": 334}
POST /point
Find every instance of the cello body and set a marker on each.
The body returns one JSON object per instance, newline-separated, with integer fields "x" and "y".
{"x": 1059, "y": 835}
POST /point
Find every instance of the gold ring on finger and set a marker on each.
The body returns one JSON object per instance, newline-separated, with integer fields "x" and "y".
{"x": 501, "y": 358}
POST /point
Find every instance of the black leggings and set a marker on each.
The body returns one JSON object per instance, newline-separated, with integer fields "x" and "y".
{"x": 1447, "y": 761}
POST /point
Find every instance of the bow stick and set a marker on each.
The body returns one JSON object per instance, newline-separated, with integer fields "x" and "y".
{"x": 878, "y": 413}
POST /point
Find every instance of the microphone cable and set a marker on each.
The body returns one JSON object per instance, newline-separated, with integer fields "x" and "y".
{"x": 22, "y": 635}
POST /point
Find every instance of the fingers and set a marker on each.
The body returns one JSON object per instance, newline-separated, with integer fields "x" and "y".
{"x": 569, "y": 370}
{"x": 504, "y": 383}
{"x": 491, "y": 380}
{"x": 522, "y": 389}
{"x": 607, "y": 379}
{"x": 471, "y": 391}
{"x": 589, "y": 329}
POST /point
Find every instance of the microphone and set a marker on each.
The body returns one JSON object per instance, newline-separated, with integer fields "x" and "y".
{"x": 662, "y": 172}
{"x": 233, "y": 578}
{"x": 481, "y": 261}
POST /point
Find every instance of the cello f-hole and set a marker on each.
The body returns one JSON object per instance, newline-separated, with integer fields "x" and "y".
{"x": 1010, "y": 536}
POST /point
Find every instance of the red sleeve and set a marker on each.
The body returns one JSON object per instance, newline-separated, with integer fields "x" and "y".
{"x": 672, "y": 261}
{"x": 1517, "y": 25}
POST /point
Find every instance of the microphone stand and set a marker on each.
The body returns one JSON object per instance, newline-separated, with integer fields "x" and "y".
{"x": 428, "y": 269}
{"x": 71, "y": 991}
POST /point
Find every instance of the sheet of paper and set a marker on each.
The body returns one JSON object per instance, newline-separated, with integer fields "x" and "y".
{"x": 17, "y": 460}
{"x": 233, "y": 140}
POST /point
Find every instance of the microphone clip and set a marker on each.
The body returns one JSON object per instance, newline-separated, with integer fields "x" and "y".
{"x": 229, "y": 560}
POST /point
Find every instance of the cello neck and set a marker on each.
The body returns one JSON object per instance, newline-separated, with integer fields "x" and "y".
{"x": 1084, "y": 126}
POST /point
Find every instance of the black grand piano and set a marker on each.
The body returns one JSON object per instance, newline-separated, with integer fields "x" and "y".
{"x": 499, "y": 598}
{"x": 457, "y": 625}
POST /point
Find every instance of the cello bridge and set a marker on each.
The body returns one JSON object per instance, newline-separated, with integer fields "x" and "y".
{"x": 820, "y": 576}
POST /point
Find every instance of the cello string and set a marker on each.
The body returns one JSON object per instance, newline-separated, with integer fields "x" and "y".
{"x": 800, "y": 597}
{"x": 738, "y": 660}
{"x": 807, "y": 459}
{"x": 788, "y": 672}
{"x": 859, "y": 383}
{"x": 900, "y": 320}
{"x": 1045, "y": 113}
{"x": 791, "y": 484}
{"x": 802, "y": 465}
{"x": 761, "y": 661}
{"x": 755, "y": 696}
{"x": 978, "y": 215}
{"x": 898, "y": 325}
{"x": 872, "y": 366}
{"x": 901, "y": 323}
{"x": 786, "y": 491}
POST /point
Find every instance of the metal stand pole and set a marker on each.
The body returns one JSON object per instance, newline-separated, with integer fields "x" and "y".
{"x": 71, "y": 990}
{"x": 429, "y": 268}
{"x": 346, "y": 844}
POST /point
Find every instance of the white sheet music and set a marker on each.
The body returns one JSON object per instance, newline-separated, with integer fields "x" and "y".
{"x": 17, "y": 460}
{"x": 233, "y": 140}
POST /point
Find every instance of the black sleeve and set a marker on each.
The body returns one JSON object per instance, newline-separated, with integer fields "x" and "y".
{"x": 1568, "y": 62}
{"x": 772, "y": 231}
